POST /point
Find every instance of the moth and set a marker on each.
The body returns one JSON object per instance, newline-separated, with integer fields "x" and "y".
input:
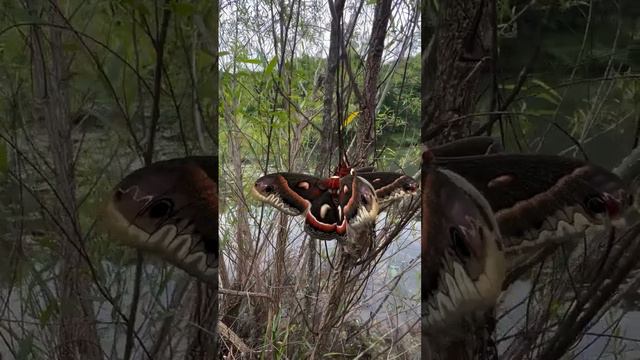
{"x": 336, "y": 205}
{"x": 170, "y": 208}
{"x": 538, "y": 200}
{"x": 463, "y": 261}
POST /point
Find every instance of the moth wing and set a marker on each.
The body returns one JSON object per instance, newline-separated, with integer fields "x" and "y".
{"x": 391, "y": 186}
{"x": 358, "y": 202}
{"x": 170, "y": 208}
{"x": 291, "y": 193}
{"x": 462, "y": 258}
{"x": 324, "y": 220}
{"x": 540, "y": 197}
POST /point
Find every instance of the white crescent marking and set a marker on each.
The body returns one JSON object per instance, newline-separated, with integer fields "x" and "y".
{"x": 323, "y": 210}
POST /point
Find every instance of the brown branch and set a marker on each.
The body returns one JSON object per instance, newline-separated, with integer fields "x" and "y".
{"x": 598, "y": 295}
{"x": 158, "y": 45}
{"x": 365, "y": 131}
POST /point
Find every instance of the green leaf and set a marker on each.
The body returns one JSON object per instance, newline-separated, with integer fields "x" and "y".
{"x": 271, "y": 65}
{"x": 247, "y": 60}
{"x": 393, "y": 271}
{"x": 548, "y": 89}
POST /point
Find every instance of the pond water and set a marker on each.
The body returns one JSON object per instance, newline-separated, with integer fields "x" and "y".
{"x": 401, "y": 258}
{"x": 591, "y": 346}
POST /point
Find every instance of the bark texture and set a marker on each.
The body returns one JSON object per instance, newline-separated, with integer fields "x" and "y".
{"x": 328, "y": 139}
{"x": 365, "y": 133}
{"x": 453, "y": 68}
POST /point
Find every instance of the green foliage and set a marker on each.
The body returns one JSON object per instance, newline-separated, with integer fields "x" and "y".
{"x": 273, "y": 106}
{"x": 250, "y": 90}
{"x": 581, "y": 80}
{"x": 110, "y": 54}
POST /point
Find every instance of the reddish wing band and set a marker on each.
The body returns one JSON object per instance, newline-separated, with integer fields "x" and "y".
{"x": 290, "y": 193}
{"x": 330, "y": 204}
{"x": 323, "y": 220}
{"x": 358, "y": 202}
{"x": 542, "y": 200}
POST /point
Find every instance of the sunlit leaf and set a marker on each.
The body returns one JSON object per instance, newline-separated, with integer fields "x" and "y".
{"x": 350, "y": 118}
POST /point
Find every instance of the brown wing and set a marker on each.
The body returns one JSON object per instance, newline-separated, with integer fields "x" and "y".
{"x": 390, "y": 186}
{"x": 537, "y": 198}
{"x": 463, "y": 264}
{"x": 170, "y": 208}
{"x": 290, "y": 193}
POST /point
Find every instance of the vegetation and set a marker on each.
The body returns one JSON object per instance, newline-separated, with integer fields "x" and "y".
{"x": 555, "y": 77}
{"x": 89, "y": 91}
{"x": 286, "y": 295}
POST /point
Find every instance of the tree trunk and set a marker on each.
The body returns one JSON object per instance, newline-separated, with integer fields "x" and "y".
{"x": 364, "y": 139}
{"x": 327, "y": 141}
{"x": 77, "y": 334}
{"x": 329, "y": 121}
{"x": 452, "y": 70}
{"x": 365, "y": 133}
{"x": 216, "y": 80}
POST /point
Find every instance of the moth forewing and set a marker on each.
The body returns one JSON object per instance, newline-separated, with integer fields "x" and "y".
{"x": 170, "y": 209}
{"x": 463, "y": 260}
